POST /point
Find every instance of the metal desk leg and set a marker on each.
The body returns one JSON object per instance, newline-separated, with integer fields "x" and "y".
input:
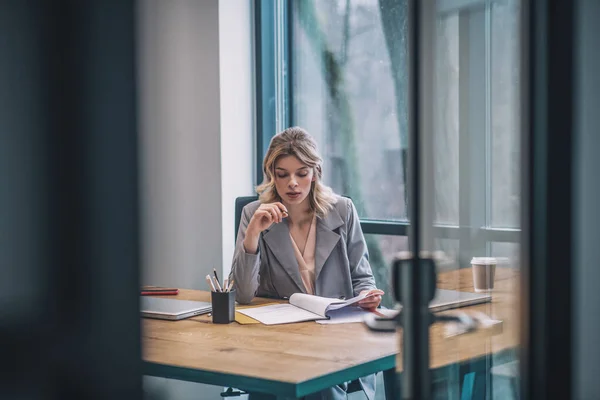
{"x": 390, "y": 382}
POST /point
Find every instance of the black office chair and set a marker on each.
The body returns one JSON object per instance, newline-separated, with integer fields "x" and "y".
{"x": 240, "y": 203}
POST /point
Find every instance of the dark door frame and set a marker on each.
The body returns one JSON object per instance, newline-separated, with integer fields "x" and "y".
{"x": 546, "y": 297}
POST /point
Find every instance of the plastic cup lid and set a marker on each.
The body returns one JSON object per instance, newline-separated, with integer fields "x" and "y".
{"x": 484, "y": 261}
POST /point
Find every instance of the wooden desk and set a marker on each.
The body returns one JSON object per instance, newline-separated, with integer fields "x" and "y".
{"x": 298, "y": 359}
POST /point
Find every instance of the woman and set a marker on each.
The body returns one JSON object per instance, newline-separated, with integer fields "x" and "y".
{"x": 300, "y": 237}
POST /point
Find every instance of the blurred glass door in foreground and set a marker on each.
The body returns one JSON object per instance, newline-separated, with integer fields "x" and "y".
{"x": 345, "y": 79}
{"x": 470, "y": 166}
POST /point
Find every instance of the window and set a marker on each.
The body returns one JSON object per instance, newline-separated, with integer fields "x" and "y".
{"x": 346, "y": 93}
{"x": 476, "y": 146}
{"x": 505, "y": 149}
{"x": 339, "y": 69}
{"x": 341, "y": 87}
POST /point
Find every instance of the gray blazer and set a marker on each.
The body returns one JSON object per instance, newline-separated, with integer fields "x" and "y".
{"x": 341, "y": 262}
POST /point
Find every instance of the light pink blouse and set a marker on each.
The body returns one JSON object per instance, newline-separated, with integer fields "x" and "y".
{"x": 306, "y": 260}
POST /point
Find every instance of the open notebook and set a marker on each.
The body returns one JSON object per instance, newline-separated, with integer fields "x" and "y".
{"x": 302, "y": 307}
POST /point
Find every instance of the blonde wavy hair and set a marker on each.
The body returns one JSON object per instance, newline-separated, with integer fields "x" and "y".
{"x": 295, "y": 141}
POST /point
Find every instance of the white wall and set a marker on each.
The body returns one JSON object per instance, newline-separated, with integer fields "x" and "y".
{"x": 196, "y": 134}
{"x": 237, "y": 123}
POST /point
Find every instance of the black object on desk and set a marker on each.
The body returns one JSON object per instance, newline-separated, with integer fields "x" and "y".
{"x": 223, "y": 307}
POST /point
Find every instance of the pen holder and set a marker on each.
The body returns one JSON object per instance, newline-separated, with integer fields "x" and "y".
{"x": 223, "y": 307}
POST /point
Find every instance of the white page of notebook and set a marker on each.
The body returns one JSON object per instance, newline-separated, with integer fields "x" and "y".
{"x": 322, "y": 305}
{"x": 345, "y": 315}
{"x": 279, "y": 314}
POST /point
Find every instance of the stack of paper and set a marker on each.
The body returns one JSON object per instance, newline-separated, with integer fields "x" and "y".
{"x": 305, "y": 307}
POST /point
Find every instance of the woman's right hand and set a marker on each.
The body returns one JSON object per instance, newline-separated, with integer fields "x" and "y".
{"x": 265, "y": 216}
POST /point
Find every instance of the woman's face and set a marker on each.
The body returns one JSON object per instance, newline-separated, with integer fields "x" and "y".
{"x": 292, "y": 179}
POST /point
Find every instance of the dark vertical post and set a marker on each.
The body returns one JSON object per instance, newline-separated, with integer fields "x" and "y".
{"x": 68, "y": 123}
{"x": 289, "y": 64}
{"x": 547, "y": 259}
{"x": 415, "y": 346}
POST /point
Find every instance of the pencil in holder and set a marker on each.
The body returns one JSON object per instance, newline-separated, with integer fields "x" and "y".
{"x": 223, "y": 307}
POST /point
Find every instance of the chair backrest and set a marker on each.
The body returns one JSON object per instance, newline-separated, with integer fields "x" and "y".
{"x": 240, "y": 203}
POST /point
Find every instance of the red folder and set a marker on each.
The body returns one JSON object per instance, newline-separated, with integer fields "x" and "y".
{"x": 158, "y": 291}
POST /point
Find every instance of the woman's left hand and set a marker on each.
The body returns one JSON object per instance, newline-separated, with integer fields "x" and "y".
{"x": 371, "y": 302}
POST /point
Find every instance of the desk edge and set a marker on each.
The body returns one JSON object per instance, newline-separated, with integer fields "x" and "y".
{"x": 261, "y": 385}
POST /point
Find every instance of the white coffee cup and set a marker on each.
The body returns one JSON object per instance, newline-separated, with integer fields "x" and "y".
{"x": 484, "y": 270}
